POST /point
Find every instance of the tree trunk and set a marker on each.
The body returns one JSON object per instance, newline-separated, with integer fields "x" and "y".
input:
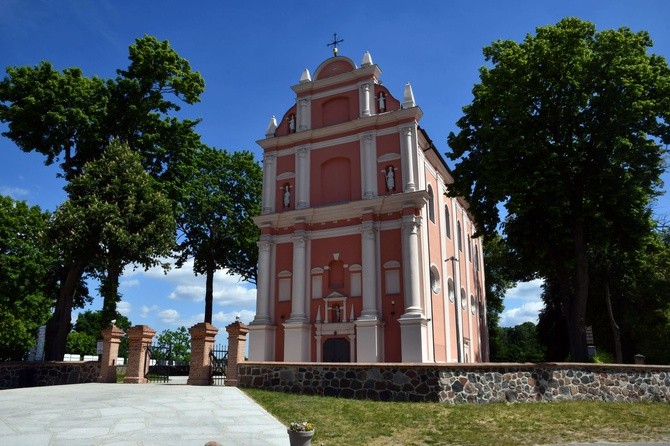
{"x": 577, "y": 310}
{"x": 58, "y": 326}
{"x": 615, "y": 328}
{"x": 110, "y": 293}
{"x": 209, "y": 293}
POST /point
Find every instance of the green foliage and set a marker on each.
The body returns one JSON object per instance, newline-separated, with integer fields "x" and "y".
{"x": 121, "y": 217}
{"x": 27, "y": 266}
{"x": 576, "y": 120}
{"x": 81, "y": 343}
{"x": 70, "y": 118}
{"x": 519, "y": 344}
{"x": 179, "y": 343}
{"x": 221, "y": 194}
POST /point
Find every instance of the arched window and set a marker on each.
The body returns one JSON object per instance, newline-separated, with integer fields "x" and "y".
{"x": 464, "y": 299}
{"x": 435, "y": 280}
{"x": 459, "y": 235}
{"x": 450, "y": 289}
{"x": 431, "y": 202}
{"x": 446, "y": 218}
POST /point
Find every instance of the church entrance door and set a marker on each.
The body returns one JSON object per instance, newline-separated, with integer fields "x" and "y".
{"x": 336, "y": 350}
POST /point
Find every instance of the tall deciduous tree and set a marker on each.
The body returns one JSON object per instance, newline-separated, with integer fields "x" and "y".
{"x": 26, "y": 269}
{"x": 221, "y": 195}
{"x": 71, "y": 118}
{"x": 120, "y": 212}
{"x": 567, "y": 130}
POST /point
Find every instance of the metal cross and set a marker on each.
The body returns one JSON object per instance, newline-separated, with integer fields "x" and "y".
{"x": 334, "y": 43}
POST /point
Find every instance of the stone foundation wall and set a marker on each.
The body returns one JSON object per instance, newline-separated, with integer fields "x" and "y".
{"x": 29, "y": 374}
{"x": 455, "y": 383}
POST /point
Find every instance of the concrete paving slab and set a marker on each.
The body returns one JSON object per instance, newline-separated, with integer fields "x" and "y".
{"x": 135, "y": 414}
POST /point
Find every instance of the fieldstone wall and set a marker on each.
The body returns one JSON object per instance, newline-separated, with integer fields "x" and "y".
{"x": 457, "y": 383}
{"x": 27, "y": 374}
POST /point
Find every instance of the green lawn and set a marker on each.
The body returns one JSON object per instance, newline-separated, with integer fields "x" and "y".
{"x": 346, "y": 422}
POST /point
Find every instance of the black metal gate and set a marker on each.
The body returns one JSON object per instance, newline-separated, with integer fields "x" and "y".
{"x": 157, "y": 364}
{"x": 219, "y": 365}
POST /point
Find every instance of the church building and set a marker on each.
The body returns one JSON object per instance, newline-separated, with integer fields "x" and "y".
{"x": 362, "y": 256}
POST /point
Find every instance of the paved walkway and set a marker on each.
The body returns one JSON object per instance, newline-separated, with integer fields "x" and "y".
{"x": 135, "y": 414}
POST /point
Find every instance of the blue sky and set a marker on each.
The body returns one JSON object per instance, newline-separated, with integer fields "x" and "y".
{"x": 249, "y": 54}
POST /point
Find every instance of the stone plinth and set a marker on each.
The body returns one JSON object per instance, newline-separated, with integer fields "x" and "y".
{"x": 139, "y": 339}
{"x": 111, "y": 338}
{"x": 202, "y": 341}
{"x": 237, "y": 340}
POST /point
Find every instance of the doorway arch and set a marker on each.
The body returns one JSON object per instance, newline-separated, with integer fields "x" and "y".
{"x": 336, "y": 350}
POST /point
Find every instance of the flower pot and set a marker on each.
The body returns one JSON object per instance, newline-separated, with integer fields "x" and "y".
{"x": 300, "y": 438}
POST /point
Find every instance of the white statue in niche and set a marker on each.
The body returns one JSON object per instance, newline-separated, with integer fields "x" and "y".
{"x": 287, "y": 195}
{"x": 337, "y": 313}
{"x": 390, "y": 178}
{"x": 382, "y": 102}
{"x": 291, "y": 124}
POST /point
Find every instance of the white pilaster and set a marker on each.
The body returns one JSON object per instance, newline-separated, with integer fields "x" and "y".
{"x": 368, "y": 165}
{"x": 457, "y": 280}
{"x": 408, "y": 154}
{"x": 269, "y": 182}
{"x": 413, "y": 324}
{"x": 304, "y": 114}
{"x": 298, "y": 283}
{"x": 296, "y": 342}
{"x": 411, "y": 275}
{"x": 369, "y": 341}
{"x": 302, "y": 177}
{"x": 365, "y": 99}
{"x": 369, "y": 249}
{"x": 263, "y": 285}
{"x": 261, "y": 342}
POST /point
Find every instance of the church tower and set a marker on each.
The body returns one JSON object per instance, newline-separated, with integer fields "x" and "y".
{"x": 361, "y": 251}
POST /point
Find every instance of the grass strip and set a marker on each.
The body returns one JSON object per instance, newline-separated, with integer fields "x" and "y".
{"x": 341, "y": 421}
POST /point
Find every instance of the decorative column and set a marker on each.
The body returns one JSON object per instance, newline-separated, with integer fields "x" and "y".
{"x": 408, "y": 159}
{"x": 111, "y": 338}
{"x": 413, "y": 324}
{"x": 262, "y": 338}
{"x": 304, "y": 120}
{"x": 298, "y": 283}
{"x": 369, "y": 342}
{"x": 369, "y": 251}
{"x": 202, "y": 342}
{"x": 269, "y": 183}
{"x": 237, "y": 340}
{"x": 368, "y": 165}
{"x": 302, "y": 178}
{"x": 296, "y": 328}
{"x": 365, "y": 96}
{"x": 139, "y": 339}
{"x": 263, "y": 282}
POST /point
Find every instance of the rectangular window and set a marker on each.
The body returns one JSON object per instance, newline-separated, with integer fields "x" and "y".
{"x": 317, "y": 287}
{"x": 285, "y": 289}
{"x": 355, "y": 284}
{"x": 392, "y": 281}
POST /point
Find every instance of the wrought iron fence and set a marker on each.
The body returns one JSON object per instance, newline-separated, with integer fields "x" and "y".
{"x": 219, "y": 365}
{"x": 157, "y": 363}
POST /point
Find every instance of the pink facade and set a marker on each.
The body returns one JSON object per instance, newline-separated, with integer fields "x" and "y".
{"x": 362, "y": 257}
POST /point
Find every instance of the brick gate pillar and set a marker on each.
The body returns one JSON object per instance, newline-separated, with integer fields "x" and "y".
{"x": 139, "y": 339}
{"x": 111, "y": 337}
{"x": 237, "y": 341}
{"x": 202, "y": 341}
